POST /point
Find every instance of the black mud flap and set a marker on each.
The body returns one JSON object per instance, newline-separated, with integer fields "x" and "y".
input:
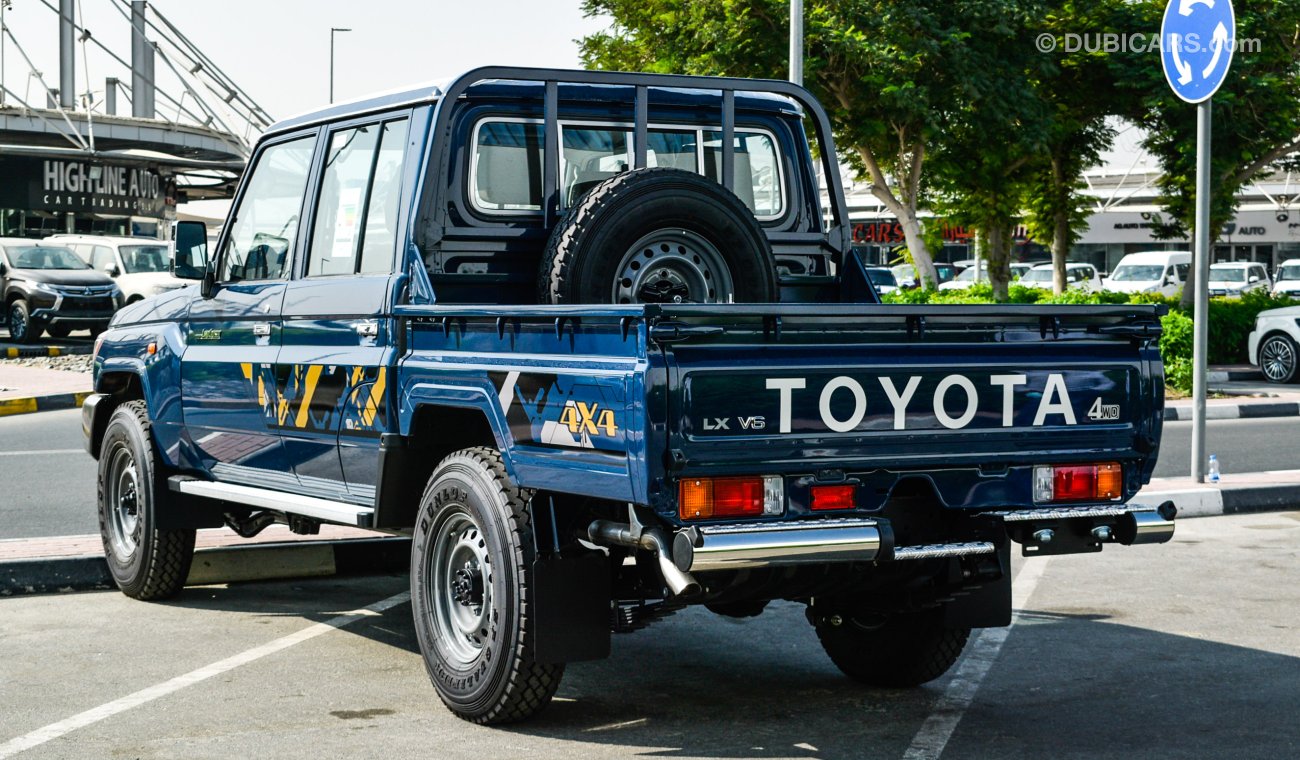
{"x": 572, "y": 608}
{"x": 989, "y": 604}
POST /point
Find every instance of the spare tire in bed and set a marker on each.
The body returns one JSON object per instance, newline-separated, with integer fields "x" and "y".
{"x": 658, "y": 235}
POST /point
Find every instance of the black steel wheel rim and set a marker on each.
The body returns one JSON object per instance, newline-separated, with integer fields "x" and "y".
{"x": 673, "y": 266}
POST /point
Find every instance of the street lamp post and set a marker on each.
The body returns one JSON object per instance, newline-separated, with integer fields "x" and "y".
{"x": 333, "y": 29}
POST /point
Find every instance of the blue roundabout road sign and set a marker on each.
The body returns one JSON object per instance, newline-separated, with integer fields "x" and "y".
{"x": 1196, "y": 42}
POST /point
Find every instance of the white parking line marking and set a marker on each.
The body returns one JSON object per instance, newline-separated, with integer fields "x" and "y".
{"x": 39, "y": 452}
{"x": 938, "y": 728}
{"x": 94, "y": 715}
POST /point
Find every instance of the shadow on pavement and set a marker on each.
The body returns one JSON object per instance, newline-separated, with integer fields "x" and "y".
{"x": 699, "y": 685}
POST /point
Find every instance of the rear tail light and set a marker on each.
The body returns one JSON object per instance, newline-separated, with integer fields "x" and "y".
{"x": 752, "y": 496}
{"x": 833, "y": 497}
{"x": 1079, "y": 482}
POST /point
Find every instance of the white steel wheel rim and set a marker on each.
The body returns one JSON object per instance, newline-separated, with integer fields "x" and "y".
{"x": 460, "y": 583}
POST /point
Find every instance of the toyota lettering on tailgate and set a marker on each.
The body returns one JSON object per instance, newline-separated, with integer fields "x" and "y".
{"x": 725, "y": 404}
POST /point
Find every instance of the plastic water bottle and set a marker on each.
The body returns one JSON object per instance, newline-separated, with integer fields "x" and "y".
{"x": 1214, "y": 469}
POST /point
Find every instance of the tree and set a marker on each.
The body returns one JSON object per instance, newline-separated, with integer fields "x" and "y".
{"x": 1074, "y": 87}
{"x": 888, "y": 72}
{"x": 1256, "y": 114}
{"x": 994, "y": 134}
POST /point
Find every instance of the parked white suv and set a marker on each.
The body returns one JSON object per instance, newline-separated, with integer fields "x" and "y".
{"x": 1288, "y": 279}
{"x": 1273, "y": 344}
{"x": 1077, "y": 276}
{"x": 1232, "y": 278}
{"x": 139, "y": 265}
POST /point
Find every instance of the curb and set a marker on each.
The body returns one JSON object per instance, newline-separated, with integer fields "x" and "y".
{"x": 227, "y": 564}
{"x": 1235, "y": 376}
{"x": 37, "y": 352}
{"x": 30, "y": 404}
{"x": 1209, "y": 501}
{"x": 1236, "y": 411}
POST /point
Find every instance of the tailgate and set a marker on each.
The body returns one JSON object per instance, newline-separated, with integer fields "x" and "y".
{"x": 788, "y": 389}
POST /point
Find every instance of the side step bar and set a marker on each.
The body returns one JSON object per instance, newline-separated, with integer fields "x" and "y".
{"x": 339, "y": 512}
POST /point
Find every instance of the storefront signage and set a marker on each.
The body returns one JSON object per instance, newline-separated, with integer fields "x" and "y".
{"x": 57, "y": 184}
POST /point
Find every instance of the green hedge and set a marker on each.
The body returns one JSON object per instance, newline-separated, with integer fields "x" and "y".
{"x": 1231, "y": 319}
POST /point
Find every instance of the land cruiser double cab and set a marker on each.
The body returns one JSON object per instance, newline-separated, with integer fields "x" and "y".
{"x": 593, "y": 342}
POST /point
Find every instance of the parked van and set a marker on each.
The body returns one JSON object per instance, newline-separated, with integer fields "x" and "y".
{"x": 1288, "y": 279}
{"x": 1162, "y": 272}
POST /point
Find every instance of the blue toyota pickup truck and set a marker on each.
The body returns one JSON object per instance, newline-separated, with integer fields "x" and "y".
{"x": 598, "y": 343}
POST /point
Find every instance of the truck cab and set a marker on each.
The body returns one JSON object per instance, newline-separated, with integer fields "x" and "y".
{"x": 592, "y": 342}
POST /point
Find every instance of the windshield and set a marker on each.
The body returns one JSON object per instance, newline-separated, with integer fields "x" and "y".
{"x": 44, "y": 257}
{"x": 1228, "y": 275}
{"x": 1137, "y": 272}
{"x": 144, "y": 258}
{"x": 1289, "y": 273}
{"x": 1037, "y": 275}
{"x": 882, "y": 277}
{"x": 968, "y": 275}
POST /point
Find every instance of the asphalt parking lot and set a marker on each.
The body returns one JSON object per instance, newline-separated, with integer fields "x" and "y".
{"x": 1191, "y": 649}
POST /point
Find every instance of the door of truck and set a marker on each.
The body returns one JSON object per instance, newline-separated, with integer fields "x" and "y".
{"x": 229, "y": 399}
{"x": 337, "y": 344}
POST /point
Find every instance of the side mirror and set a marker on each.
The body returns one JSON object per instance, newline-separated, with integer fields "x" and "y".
{"x": 3, "y": 268}
{"x": 189, "y": 250}
{"x": 112, "y": 271}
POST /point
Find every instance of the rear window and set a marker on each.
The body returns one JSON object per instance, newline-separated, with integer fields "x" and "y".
{"x": 506, "y": 165}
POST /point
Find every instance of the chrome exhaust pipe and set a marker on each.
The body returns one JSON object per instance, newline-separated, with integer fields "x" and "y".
{"x": 679, "y": 582}
{"x": 1147, "y": 526}
{"x": 735, "y": 547}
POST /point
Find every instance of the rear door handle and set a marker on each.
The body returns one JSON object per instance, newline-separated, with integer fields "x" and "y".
{"x": 262, "y": 329}
{"x": 368, "y": 329}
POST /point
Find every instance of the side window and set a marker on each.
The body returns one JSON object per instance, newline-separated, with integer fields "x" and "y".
{"x": 1183, "y": 270}
{"x": 591, "y": 155}
{"x": 675, "y": 149}
{"x": 356, "y": 214}
{"x": 259, "y": 245}
{"x": 507, "y": 167}
{"x": 757, "y": 171}
{"x": 101, "y": 258}
{"x": 379, "y": 236}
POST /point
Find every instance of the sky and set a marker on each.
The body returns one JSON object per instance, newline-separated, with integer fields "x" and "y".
{"x": 278, "y": 50}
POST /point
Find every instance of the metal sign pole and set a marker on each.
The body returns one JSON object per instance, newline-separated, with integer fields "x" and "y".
{"x": 796, "y": 41}
{"x": 1200, "y": 313}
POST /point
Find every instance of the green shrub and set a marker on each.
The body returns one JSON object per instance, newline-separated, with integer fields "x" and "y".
{"x": 1178, "y": 373}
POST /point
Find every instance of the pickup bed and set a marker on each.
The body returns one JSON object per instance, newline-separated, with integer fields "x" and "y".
{"x": 567, "y": 471}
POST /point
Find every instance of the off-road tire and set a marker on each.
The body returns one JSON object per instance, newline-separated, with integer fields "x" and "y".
{"x": 1279, "y": 359}
{"x": 58, "y": 332}
{"x": 499, "y": 682}
{"x": 901, "y": 652}
{"x": 584, "y": 258}
{"x": 18, "y": 320}
{"x": 156, "y": 563}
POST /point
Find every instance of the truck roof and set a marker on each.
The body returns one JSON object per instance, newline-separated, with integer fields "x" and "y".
{"x": 612, "y": 89}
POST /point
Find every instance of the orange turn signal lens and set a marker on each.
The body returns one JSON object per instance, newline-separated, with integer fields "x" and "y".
{"x": 705, "y": 498}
